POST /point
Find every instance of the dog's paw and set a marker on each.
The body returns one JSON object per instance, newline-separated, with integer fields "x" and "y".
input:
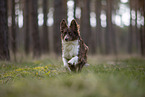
{"x": 66, "y": 65}
{"x": 73, "y": 61}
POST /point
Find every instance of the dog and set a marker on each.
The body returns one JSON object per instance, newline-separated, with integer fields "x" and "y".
{"x": 74, "y": 50}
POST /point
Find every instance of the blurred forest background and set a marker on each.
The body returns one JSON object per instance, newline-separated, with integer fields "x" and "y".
{"x": 108, "y": 27}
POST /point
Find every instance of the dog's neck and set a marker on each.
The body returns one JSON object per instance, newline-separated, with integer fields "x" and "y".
{"x": 70, "y": 48}
{"x": 70, "y": 42}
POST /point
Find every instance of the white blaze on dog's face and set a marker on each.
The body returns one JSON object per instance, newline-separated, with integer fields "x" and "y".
{"x": 71, "y": 33}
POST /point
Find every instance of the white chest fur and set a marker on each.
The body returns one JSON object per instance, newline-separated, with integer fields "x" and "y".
{"x": 70, "y": 49}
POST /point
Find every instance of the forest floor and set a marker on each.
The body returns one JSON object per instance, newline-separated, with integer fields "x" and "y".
{"x": 105, "y": 77}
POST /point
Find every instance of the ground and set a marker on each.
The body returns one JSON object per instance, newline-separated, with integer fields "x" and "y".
{"x": 105, "y": 77}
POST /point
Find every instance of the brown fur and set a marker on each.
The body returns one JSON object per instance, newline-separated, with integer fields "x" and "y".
{"x": 73, "y": 34}
{"x": 82, "y": 57}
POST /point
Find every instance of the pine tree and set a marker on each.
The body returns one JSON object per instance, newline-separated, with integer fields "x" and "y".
{"x": 4, "y": 50}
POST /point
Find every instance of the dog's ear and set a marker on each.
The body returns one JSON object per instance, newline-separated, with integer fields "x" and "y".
{"x": 63, "y": 25}
{"x": 74, "y": 25}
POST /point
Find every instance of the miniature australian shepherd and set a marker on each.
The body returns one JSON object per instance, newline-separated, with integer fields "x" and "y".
{"x": 74, "y": 50}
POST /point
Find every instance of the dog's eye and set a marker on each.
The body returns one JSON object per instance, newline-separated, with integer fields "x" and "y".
{"x": 70, "y": 33}
{"x": 65, "y": 32}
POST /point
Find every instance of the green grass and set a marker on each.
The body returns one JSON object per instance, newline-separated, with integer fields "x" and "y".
{"x": 48, "y": 78}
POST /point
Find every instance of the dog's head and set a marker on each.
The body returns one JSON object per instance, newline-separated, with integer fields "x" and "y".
{"x": 70, "y": 33}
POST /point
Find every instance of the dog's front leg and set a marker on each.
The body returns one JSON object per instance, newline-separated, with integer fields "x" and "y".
{"x": 73, "y": 61}
{"x": 66, "y": 64}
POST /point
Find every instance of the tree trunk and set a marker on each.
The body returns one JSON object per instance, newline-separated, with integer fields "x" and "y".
{"x": 26, "y": 27}
{"x": 45, "y": 28}
{"x": 141, "y": 40}
{"x": 130, "y": 32}
{"x": 136, "y": 29}
{"x": 98, "y": 28}
{"x": 60, "y": 13}
{"x": 34, "y": 29}
{"x": 113, "y": 34}
{"x": 13, "y": 41}
{"x": 144, "y": 31}
{"x": 4, "y": 50}
{"x": 85, "y": 22}
{"x": 142, "y": 28}
{"x": 108, "y": 28}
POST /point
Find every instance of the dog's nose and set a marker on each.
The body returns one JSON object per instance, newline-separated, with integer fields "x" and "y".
{"x": 66, "y": 39}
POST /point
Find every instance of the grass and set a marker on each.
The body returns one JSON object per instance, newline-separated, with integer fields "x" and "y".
{"x": 48, "y": 78}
